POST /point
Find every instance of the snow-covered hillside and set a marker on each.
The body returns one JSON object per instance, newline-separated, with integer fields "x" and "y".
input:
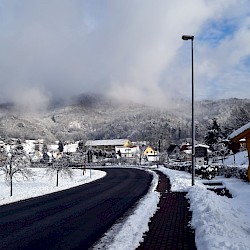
{"x": 98, "y": 117}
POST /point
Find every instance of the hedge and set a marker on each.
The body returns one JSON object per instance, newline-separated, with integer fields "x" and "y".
{"x": 210, "y": 171}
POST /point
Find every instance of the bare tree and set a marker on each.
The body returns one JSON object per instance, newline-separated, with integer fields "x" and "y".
{"x": 15, "y": 163}
{"x": 60, "y": 164}
{"x": 78, "y": 159}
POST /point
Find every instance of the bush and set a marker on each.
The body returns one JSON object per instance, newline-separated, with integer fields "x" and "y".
{"x": 210, "y": 171}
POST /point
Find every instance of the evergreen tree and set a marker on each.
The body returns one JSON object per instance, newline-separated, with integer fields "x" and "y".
{"x": 80, "y": 147}
{"x": 45, "y": 148}
{"x": 213, "y": 135}
{"x": 60, "y": 146}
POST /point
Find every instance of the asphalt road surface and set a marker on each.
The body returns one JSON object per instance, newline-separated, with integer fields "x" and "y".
{"x": 75, "y": 218}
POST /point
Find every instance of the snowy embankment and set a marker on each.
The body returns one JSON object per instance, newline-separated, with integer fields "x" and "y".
{"x": 239, "y": 159}
{"x": 219, "y": 222}
{"x": 41, "y": 183}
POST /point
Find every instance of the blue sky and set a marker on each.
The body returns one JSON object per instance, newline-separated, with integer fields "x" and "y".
{"x": 126, "y": 49}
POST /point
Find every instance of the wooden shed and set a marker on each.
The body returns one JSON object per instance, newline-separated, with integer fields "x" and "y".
{"x": 243, "y": 133}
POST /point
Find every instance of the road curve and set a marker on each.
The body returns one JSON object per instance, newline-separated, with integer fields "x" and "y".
{"x": 75, "y": 218}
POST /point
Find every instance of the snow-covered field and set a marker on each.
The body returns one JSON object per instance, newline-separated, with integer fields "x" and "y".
{"x": 219, "y": 222}
{"x": 41, "y": 183}
{"x": 240, "y": 159}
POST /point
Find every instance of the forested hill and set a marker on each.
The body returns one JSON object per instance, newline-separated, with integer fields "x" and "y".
{"x": 97, "y": 117}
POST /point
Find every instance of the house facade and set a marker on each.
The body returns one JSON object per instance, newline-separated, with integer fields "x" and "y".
{"x": 173, "y": 151}
{"x": 243, "y": 133}
{"x": 127, "y": 152}
{"x": 201, "y": 154}
{"x": 150, "y": 154}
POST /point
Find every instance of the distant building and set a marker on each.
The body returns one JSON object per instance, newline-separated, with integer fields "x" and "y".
{"x": 173, "y": 151}
{"x": 201, "y": 154}
{"x": 150, "y": 154}
{"x": 2, "y": 146}
{"x": 70, "y": 147}
{"x": 132, "y": 152}
{"x": 243, "y": 143}
{"x": 107, "y": 145}
{"x": 243, "y": 133}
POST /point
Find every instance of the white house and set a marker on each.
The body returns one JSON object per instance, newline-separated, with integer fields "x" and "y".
{"x": 127, "y": 152}
{"x": 70, "y": 147}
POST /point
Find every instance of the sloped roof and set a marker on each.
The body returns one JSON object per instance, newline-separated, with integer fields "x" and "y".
{"x": 114, "y": 142}
{"x": 240, "y": 133}
{"x": 171, "y": 148}
{"x": 201, "y": 145}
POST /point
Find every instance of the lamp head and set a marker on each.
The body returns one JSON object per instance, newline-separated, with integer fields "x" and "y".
{"x": 187, "y": 37}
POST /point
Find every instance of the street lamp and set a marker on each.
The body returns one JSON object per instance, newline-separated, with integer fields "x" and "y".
{"x": 187, "y": 37}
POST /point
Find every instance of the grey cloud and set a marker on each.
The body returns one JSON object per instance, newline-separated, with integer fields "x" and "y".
{"x": 124, "y": 48}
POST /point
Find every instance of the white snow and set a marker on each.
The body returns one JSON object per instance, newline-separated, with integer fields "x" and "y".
{"x": 239, "y": 131}
{"x": 41, "y": 183}
{"x": 219, "y": 222}
{"x": 239, "y": 159}
{"x": 128, "y": 233}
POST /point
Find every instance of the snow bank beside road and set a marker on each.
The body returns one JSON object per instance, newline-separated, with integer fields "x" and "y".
{"x": 128, "y": 233}
{"x": 42, "y": 183}
{"x": 219, "y": 222}
{"x": 180, "y": 181}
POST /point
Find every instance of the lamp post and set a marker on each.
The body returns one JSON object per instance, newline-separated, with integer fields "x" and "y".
{"x": 187, "y": 37}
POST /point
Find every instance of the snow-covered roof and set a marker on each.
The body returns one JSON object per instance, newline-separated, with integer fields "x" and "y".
{"x": 114, "y": 142}
{"x": 70, "y": 148}
{"x": 187, "y": 151}
{"x": 239, "y": 131}
{"x": 202, "y": 145}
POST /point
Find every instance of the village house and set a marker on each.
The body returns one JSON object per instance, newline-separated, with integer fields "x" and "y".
{"x": 185, "y": 152}
{"x": 132, "y": 152}
{"x": 2, "y": 145}
{"x": 150, "y": 154}
{"x": 107, "y": 145}
{"x": 201, "y": 154}
{"x": 173, "y": 151}
{"x": 243, "y": 133}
